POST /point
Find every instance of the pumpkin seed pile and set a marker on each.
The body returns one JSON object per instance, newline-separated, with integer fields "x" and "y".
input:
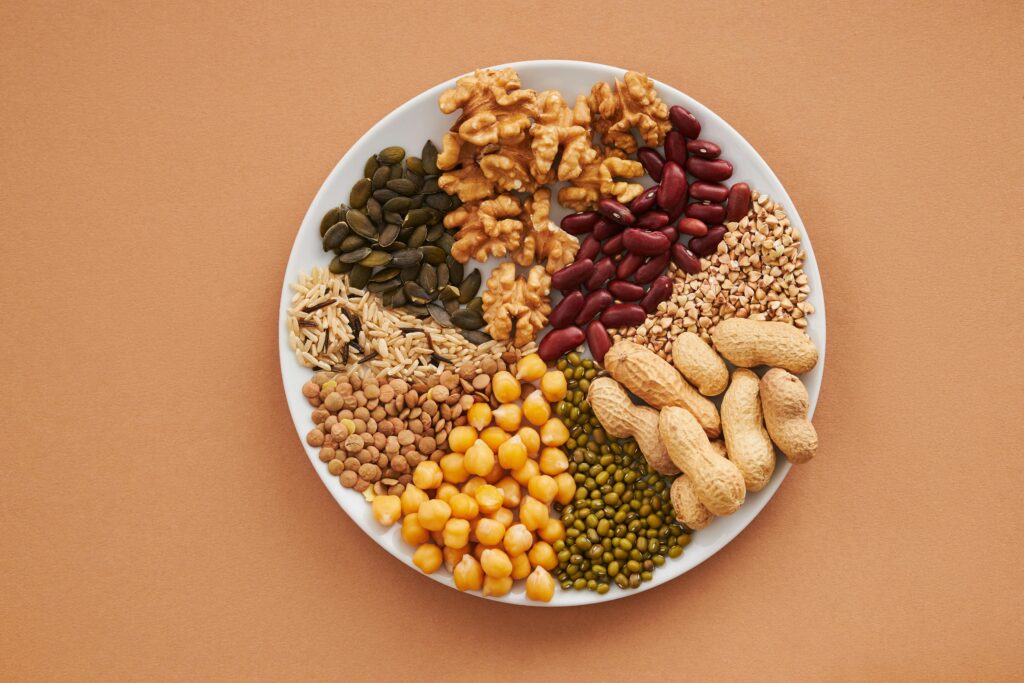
{"x": 390, "y": 239}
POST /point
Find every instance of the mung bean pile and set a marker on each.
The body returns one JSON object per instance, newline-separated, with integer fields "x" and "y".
{"x": 620, "y": 525}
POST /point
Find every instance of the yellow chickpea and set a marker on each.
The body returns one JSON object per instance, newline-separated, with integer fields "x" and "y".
{"x": 518, "y": 540}
{"x": 532, "y": 513}
{"x": 456, "y": 533}
{"x": 554, "y": 432}
{"x": 427, "y": 475}
{"x": 512, "y": 490}
{"x": 530, "y": 368}
{"x": 470, "y": 487}
{"x": 387, "y": 509}
{"x": 536, "y": 408}
{"x": 543, "y": 555}
{"x": 554, "y": 386}
{"x": 445, "y": 491}
{"x": 553, "y": 530}
{"x": 513, "y": 453}
{"x": 528, "y": 471}
{"x": 496, "y": 563}
{"x": 427, "y": 557}
{"x": 496, "y": 473}
{"x": 508, "y": 416}
{"x": 504, "y": 515}
{"x": 530, "y": 439}
{"x": 520, "y": 567}
{"x": 461, "y": 438}
{"x": 413, "y": 532}
{"x": 553, "y": 461}
{"x": 566, "y": 488}
{"x": 463, "y": 506}
{"x": 468, "y": 574}
{"x": 494, "y": 436}
{"x": 411, "y": 499}
{"x": 540, "y": 585}
{"x": 479, "y": 459}
{"x": 433, "y": 514}
{"x": 543, "y": 487}
{"x": 496, "y": 588}
{"x": 505, "y": 388}
{"x": 479, "y": 415}
{"x": 453, "y": 468}
{"x": 489, "y": 498}
{"x": 479, "y": 549}
{"x": 489, "y": 531}
{"x": 452, "y": 556}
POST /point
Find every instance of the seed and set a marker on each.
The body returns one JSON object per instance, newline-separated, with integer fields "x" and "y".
{"x": 410, "y": 273}
{"x": 416, "y": 293}
{"x": 359, "y": 194}
{"x": 468, "y": 320}
{"x": 397, "y": 205}
{"x": 429, "y": 158}
{"x": 356, "y": 255}
{"x": 374, "y": 211}
{"x": 454, "y": 269}
{"x": 418, "y": 237}
{"x": 428, "y": 277}
{"x": 335, "y": 235}
{"x": 476, "y": 304}
{"x": 414, "y": 164}
{"x": 442, "y": 275}
{"x": 418, "y": 217}
{"x": 416, "y": 201}
{"x": 402, "y": 186}
{"x": 385, "y": 274}
{"x": 388, "y": 286}
{"x": 351, "y": 243}
{"x": 451, "y": 305}
{"x": 338, "y": 266}
{"x": 430, "y": 187}
{"x": 388, "y": 235}
{"x": 391, "y": 155}
{"x": 380, "y": 177}
{"x": 392, "y": 217}
{"x": 439, "y": 314}
{"x": 476, "y": 336}
{"x": 433, "y": 255}
{"x": 384, "y": 195}
{"x": 358, "y": 276}
{"x": 399, "y": 298}
{"x": 417, "y": 310}
{"x": 361, "y": 224}
{"x": 406, "y": 257}
{"x": 333, "y": 215}
{"x": 370, "y": 167}
{"x": 446, "y": 241}
{"x": 375, "y": 259}
{"x": 449, "y": 293}
{"x": 470, "y": 286}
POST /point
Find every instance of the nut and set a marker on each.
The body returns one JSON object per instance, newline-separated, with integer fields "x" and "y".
{"x": 716, "y": 481}
{"x": 746, "y": 440}
{"x": 621, "y": 419}
{"x": 785, "y": 403}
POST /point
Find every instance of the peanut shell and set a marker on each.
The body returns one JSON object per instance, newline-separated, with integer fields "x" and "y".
{"x": 699, "y": 364}
{"x": 688, "y": 508}
{"x": 716, "y": 481}
{"x": 785, "y": 402}
{"x": 621, "y": 418}
{"x": 746, "y": 440}
{"x": 748, "y": 343}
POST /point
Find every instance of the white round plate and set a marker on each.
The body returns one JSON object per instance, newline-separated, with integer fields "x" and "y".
{"x": 410, "y": 125}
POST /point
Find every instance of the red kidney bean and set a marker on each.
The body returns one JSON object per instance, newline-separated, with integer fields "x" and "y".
{"x": 685, "y": 259}
{"x": 595, "y": 302}
{"x": 603, "y": 271}
{"x": 645, "y": 201}
{"x": 669, "y": 232}
{"x": 606, "y": 228}
{"x": 623, "y": 315}
{"x": 590, "y": 248}
{"x": 661, "y": 290}
{"x": 675, "y": 147}
{"x": 579, "y": 223}
{"x": 625, "y": 291}
{"x": 712, "y": 192}
{"x": 628, "y": 266}
{"x": 598, "y": 340}
{"x": 705, "y": 246}
{"x": 703, "y": 148}
{"x": 652, "y": 162}
{"x": 652, "y": 269}
{"x": 558, "y": 342}
{"x": 692, "y": 226}
{"x": 566, "y": 311}
{"x": 612, "y": 246}
{"x": 573, "y": 275}
{"x": 673, "y": 186}
{"x": 652, "y": 220}
{"x": 676, "y": 211}
{"x": 739, "y": 202}
{"x": 617, "y": 211}
{"x": 637, "y": 241}
{"x": 711, "y": 170}
{"x": 709, "y": 213}
{"x": 685, "y": 122}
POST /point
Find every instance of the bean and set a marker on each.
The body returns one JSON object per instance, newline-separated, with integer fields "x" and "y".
{"x": 676, "y": 211}
{"x": 709, "y": 213}
{"x": 598, "y": 340}
{"x": 602, "y": 272}
{"x": 661, "y": 290}
{"x": 693, "y": 227}
{"x": 672, "y": 190}
{"x": 739, "y": 202}
{"x": 711, "y": 170}
{"x": 652, "y": 162}
{"x": 579, "y": 223}
{"x": 675, "y": 147}
{"x": 623, "y": 315}
{"x": 566, "y": 311}
{"x": 613, "y": 246}
{"x": 557, "y": 342}
{"x": 652, "y": 269}
{"x": 706, "y": 245}
{"x": 617, "y": 211}
{"x": 669, "y": 232}
{"x": 590, "y": 248}
{"x": 685, "y": 259}
{"x": 572, "y": 275}
{"x": 645, "y": 201}
{"x": 628, "y": 266}
{"x": 704, "y": 148}
{"x": 685, "y": 122}
{"x": 606, "y": 229}
{"x": 595, "y": 302}
{"x": 637, "y": 241}
{"x": 623, "y": 291}
{"x": 712, "y": 192}
{"x": 652, "y": 220}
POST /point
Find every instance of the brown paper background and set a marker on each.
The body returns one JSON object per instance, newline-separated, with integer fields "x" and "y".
{"x": 158, "y": 517}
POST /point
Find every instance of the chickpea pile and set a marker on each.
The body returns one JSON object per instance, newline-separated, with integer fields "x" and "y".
{"x": 483, "y": 510}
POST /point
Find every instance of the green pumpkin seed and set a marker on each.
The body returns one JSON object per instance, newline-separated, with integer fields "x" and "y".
{"x": 358, "y": 276}
{"x": 335, "y": 235}
{"x": 388, "y": 298}
{"x": 414, "y": 164}
{"x": 454, "y": 269}
{"x": 449, "y": 293}
{"x": 399, "y": 299}
{"x": 418, "y": 237}
{"x": 417, "y": 310}
{"x": 392, "y": 217}
{"x": 469, "y": 287}
{"x": 434, "y": 232}
{"x": 406, "y": 257}
{"x": 439, "y": 201}
{"x": 429, "y": 157}
{"x": 356, "y": 255}
{"x": 384, "y": 194}
{"x": 430, "y": 186}
{"x": 402, "y": 186}
{"x": 476, "y": 304}
{"x": 384, "y": 274}
{"x": 333, "y": 215}
{"x": 359, "y": 194}
{"x": 380, "y": 177}
{"x": 338, "y": 266}
{"x": 440, "y": 315}
{"x": 387, "y": 286}
{"x": 397, "y": 204}
{"x": 391, "y": 155}
{"x": 376, "y": 259}
{"x": 416, "y": 202}
{"x": 468, "y": 320}
{"x": 416, "y": 293}
{"x": 418, "y": 217}
{"x": 427, "y": 277}
{"x": 451, "y": 306}
{"x": 442, "y": 275}
{"x": 370, "y": 167}
{"x": 388, "y": 235}
{"x": 351, "y": 243}
{"x": 410, "y": 273}
{"x": 446, "y": 241}
{"x": 476, "y": 337}
{"x": 374, "y": 211}
{"x": 415, "y": 178}
{"x": 433, "y": 255}
{"x": 361, "y": 224}
{"x": 396, "y": 172}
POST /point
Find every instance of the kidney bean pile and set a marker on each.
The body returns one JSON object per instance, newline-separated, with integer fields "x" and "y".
{"x": 618, "y": 277}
